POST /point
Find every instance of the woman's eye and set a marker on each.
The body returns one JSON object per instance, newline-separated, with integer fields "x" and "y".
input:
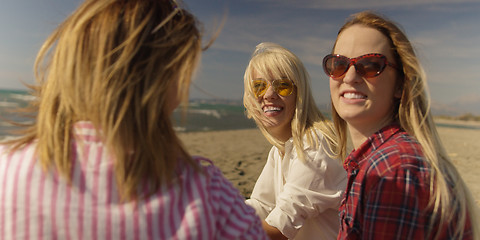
{"x": 259, "y": 85}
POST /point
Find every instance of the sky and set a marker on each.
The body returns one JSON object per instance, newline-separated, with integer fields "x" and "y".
{"x": 445, "y": 34}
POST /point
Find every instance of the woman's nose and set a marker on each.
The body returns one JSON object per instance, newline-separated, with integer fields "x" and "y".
{"x": 352, "y": 76}
{"x": 270, "y": 92}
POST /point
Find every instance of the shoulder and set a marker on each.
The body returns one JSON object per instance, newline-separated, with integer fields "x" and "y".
{"x": 3, "y": 149}
{"x": 212, "y": 176}
{"x": 315, "y": 134}
{"x": 6, "y": 150}
{"x": 221, "y": 203}
{"x": 400, "y": 146}
{"x": 207, "y": 167}
{"x": 274, "y": 150}
{"x": 403, "y": 143}
{"x": 274, "y": 153}
{"x": 315, "y": 147}
{"x": 399, "y": 154}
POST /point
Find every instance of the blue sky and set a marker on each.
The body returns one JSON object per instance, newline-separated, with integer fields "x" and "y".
{"x": 446, "y": 34}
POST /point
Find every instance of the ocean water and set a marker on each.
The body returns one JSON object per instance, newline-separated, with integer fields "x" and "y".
{"x": 11, "y": 100}
{"x": 459, "y": 126}
{"x": 204, "y": 115}
{"x": 201, "y": 115}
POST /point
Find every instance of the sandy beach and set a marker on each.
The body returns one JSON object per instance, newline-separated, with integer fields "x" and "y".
{"x": 241, "y": 154}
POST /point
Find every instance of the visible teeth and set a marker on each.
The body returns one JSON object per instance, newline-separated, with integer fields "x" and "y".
{"x": 271, "y": 109}
{"x": 353, "y": 96}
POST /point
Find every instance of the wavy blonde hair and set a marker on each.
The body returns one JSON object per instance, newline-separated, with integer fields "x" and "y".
{"x": 450, "y": 193}
{"x": 112, "y": 62}
{"x": 270, "y": 59}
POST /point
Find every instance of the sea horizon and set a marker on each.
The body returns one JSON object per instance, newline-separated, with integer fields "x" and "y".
{"x": 200, "y": 115}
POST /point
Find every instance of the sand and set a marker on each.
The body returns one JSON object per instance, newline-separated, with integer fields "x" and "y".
{"x": 241, "y": 154}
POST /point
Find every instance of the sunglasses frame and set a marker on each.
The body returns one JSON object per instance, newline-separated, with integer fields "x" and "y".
{"x": 272, "y": 84}
{"x": 353, "y": 61}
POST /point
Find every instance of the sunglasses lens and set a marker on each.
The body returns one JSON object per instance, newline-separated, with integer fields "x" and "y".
{"x": 335, "y": 66}
{"x": 259, "y": 87}
{"x": 370, "y": 66}
{"x": 284, "y": 87}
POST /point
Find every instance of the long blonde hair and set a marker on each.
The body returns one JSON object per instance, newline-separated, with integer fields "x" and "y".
{"x": 112, "y": 62}
{"x": 270, "y": 59}
{"x": 450, "y": 193}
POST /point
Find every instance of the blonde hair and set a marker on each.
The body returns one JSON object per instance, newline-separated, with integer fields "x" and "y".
{"x": 450, "y": 193}
{"x": 112, "y": 62}
{"x": 270, "y": 59}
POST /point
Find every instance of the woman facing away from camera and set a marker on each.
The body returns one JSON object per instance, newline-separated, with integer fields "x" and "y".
{"x": 401, "y": 182}
{"x": 300, "y": 188}
{"x": 102, "y": 160}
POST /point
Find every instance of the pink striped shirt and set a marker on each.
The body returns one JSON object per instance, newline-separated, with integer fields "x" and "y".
{"x": 35, "y": 204}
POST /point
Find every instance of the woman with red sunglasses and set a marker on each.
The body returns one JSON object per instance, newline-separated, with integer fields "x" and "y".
{"x": 401, "y": 182}
{"x": 299, "y": 190}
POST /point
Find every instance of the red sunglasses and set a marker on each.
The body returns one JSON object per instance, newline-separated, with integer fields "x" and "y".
{"x": 368, "y": 65}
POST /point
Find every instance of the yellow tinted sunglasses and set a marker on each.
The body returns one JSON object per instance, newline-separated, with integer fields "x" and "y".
{"x": 283, "y": 87}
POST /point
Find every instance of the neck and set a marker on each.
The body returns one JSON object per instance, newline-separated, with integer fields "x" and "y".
{"x": 360, "y": 133}
{"x": 282, "y": 134}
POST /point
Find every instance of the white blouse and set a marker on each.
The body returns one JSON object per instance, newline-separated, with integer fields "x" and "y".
{"x": 300, "y": 199}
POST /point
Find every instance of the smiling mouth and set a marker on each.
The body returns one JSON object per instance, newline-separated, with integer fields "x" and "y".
{"x": 354, "y": 96}
{"x": 270, "y": 109}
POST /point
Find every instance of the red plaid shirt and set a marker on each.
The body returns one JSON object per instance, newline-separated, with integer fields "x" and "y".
{"x": 388, "y": 190}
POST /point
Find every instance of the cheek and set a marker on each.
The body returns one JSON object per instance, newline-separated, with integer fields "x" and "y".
{"x": 292, "y": 104}
{"x": 388, "y": 86}
{"x": 259, "y": 99}
{"x": 333, "y": 87}
{"x": 382, "y": 92}
{"x": 333, "y": 84}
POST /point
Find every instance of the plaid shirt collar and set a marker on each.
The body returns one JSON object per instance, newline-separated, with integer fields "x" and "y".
{"x": 359, "y": 155}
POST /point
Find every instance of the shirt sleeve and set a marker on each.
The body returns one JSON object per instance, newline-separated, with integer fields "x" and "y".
{"x": 396, "y": 205}
{"x": 262, "y": 198}
{"x": 310, "y": 188}
{"x": 234, "y": 219}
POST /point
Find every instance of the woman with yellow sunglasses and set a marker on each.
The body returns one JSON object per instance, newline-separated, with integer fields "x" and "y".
{"x": 298, "y": 193}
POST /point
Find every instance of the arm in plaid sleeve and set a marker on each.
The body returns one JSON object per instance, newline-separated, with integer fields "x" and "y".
{"x": 395, "y": 205}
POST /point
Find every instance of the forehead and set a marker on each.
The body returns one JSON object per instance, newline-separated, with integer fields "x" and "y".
{"x": 358, "y": 40}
